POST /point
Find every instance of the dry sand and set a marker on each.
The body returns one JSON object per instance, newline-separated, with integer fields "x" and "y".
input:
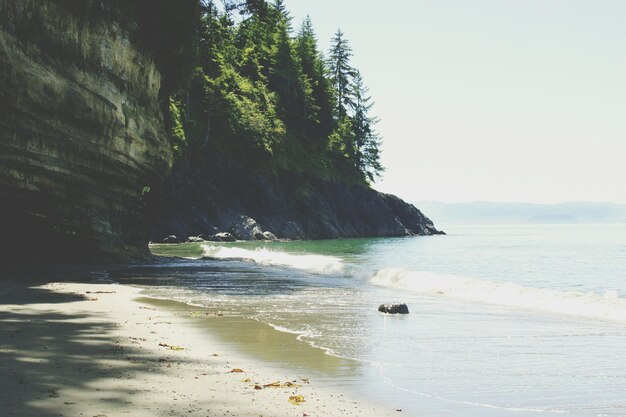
{"x": 70, "y": 349}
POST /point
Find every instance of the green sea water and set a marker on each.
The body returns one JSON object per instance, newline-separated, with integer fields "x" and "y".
{"x": 504, "y": 320}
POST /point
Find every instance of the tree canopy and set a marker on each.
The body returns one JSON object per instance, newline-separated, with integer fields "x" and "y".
{"x": 265, "y": 92}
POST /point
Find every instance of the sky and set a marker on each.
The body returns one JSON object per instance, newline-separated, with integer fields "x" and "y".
{"x": 490, "y": 100}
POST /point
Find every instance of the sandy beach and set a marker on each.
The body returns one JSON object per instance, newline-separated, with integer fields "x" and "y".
{"x": 72, "y": 349}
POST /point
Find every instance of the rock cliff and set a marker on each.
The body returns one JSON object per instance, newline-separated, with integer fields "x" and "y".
{"x": 84, "y": 153}
{"x": 212, "y": 195}
{"x": 82, "y": 138}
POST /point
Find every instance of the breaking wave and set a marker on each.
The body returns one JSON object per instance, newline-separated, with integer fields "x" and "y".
{"x": 585, "y": 304}
{"x": 318, "y": 264}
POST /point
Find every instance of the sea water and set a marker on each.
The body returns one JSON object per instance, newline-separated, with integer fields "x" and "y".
{"x": 524, "y": 320}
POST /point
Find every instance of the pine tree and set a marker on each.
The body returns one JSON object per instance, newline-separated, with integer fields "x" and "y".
{"x": 320, "y": 122}
{"x": 283, "y": 13}
{"x": 341, "y": 72}
{"x": 287, "y": 79}
{"x": 306, "y": 47}
{"x": 366, "y": 140}
{"x": 273, "y": 100}
{"x": 283, "y": 68}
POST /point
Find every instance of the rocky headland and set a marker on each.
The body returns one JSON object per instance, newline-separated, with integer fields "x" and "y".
{"x": 213, "y": 197}
{"x": 86, "y": 162}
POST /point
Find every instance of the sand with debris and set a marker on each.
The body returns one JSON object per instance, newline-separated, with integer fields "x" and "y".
{"x": 70, "y": 349}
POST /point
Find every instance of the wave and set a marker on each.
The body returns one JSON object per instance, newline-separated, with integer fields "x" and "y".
{"x": 585, "y": 304}
{"x": 318, "y": 264}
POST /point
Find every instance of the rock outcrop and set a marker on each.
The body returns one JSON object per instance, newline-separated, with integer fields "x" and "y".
{"x": 212, "y": 194}
{"x": 82, "y": 138}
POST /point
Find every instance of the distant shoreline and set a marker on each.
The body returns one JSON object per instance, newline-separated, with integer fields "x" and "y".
{"x": 485, "y": 212}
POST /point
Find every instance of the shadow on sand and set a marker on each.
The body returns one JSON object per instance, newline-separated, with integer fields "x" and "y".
{"x": 45, "y": 355}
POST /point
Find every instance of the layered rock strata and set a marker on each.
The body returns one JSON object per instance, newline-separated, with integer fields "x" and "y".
{"x": 82, "y": 138}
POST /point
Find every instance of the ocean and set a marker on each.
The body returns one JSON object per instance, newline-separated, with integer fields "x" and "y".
{"x": 506, "y": 320}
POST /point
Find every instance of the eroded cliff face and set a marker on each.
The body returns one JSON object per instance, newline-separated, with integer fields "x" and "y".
{"x": 82, "y": 137}
{"x": 208, "y": 194}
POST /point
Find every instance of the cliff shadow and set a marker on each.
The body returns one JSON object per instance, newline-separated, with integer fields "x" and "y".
{"x": 54, "y": 363}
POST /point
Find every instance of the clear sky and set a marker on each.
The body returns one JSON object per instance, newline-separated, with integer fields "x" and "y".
{"x": 495, "y": 100}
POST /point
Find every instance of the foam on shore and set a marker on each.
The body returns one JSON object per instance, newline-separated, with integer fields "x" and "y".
{"x": 318, "y": 264}
{"x": 608, "y": 306}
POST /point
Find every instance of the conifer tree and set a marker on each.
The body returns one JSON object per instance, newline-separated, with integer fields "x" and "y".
{"x": 320, "y": 120}
{"x": 366, "y": 140}
{"x": 283, "y": 13}
{"x": 273, "y": 100}
{"x": 341, "y": 72}
{"x": 287, "y": 78}
{"x": 283, "y": 68}
{"x": 306, "y": 47}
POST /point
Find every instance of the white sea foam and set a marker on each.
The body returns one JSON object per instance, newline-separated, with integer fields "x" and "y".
{"x": 586, "y": 304}
{"x": 318, "y": 264}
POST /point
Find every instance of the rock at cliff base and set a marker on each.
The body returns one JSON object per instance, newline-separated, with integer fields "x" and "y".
{"x": 394, "y": 308}
{"x": 171, "y": 239}
{"x": 223, "y": 237}
{"x": 208, "y": 235}
{"x": 259, "y": 236}
{"x": 269, "y": 236}
{"x": 246, "y": 228}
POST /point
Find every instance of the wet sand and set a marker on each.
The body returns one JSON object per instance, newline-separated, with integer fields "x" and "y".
{"x": 70, "y": 349}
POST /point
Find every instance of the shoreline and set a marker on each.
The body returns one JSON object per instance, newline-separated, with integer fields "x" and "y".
{"x": 73, "y": 349}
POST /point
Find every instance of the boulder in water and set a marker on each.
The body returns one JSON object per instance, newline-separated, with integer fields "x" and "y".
{"x": 171, "y": 239}
{"x": 195, "y": 239}
{"x": 394, "y": 308}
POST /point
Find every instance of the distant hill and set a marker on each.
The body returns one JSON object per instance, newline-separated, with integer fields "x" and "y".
{"x": 481, "y": 212}
{"x": 553, "y": 219}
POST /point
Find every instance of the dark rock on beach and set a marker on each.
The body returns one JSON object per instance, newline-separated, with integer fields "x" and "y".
{"x": 394, "y": 308}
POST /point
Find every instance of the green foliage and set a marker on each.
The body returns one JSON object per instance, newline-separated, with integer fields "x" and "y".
{"x": 341, "y": 72}
{"x": 250, "y": 112}
{"x": 177, "y": 131}
{"x": 366, "y": 141}
{"x": 270, "y": 100}
{"x": 340, "y": 141}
